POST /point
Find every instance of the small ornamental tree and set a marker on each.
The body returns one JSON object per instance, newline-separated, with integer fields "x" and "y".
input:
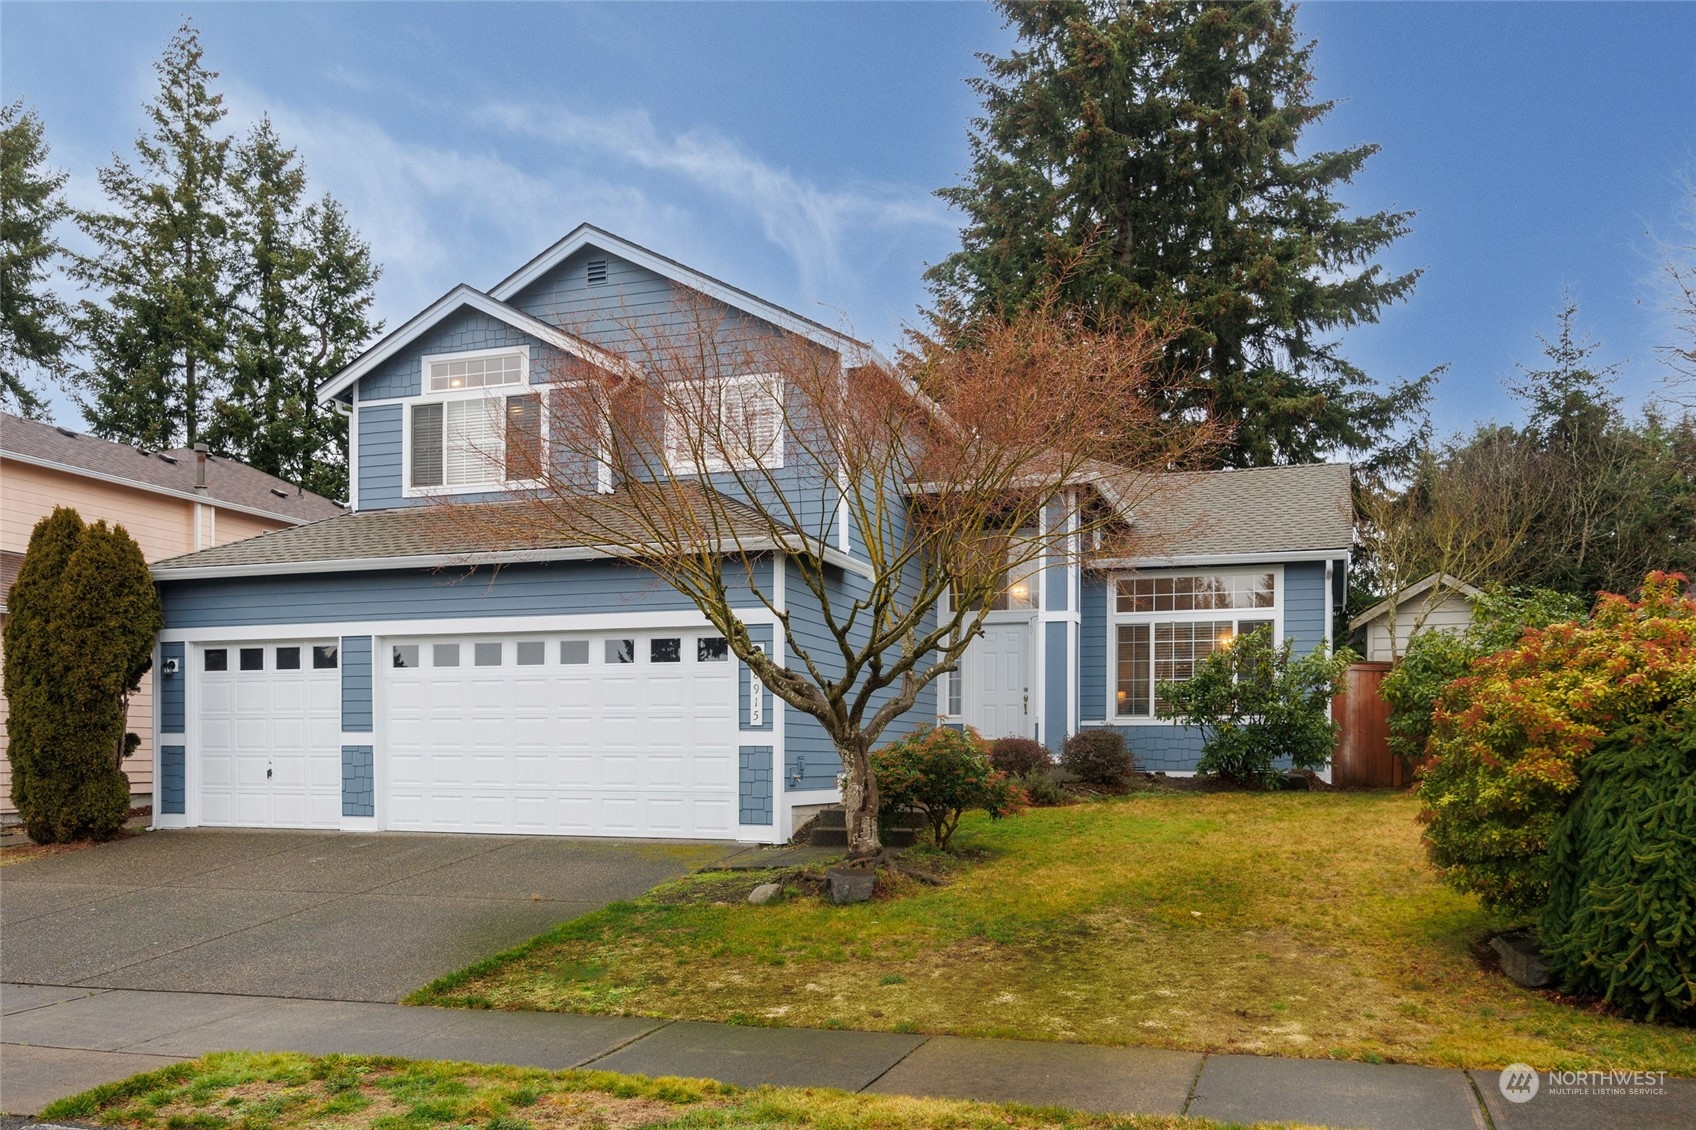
{"x": 943, "y": 773}
{"x": 1510, "y": 738}
{"x": 1256, "y": 703}
{"x": 81, "y": 622}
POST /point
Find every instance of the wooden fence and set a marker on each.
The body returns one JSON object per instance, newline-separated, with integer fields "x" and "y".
{"x": 1363, "y": 758}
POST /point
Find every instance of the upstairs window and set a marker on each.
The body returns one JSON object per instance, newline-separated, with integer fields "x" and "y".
{"x": 725, "y": 424}
{"x": 478, "y": 423}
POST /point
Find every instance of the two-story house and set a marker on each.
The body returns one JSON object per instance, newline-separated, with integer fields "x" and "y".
{"x": 355, "y": 674}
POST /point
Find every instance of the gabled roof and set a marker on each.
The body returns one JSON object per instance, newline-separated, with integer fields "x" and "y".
{"x": 1451, "y": 582}
{"x": 437, "y": 535}
{"x": 854, "y": 352}
{"x": 453, "y": 301}
{"x": 229, "y": 483}
{"x": 1252, "y": 514}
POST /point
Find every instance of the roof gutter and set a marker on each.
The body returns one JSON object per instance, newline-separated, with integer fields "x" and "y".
{"x": 1268, "y": 558}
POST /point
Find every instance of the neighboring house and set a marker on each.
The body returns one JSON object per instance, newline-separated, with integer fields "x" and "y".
{"x": 171, "y": 502}
{"x": 357, "y": 674}
{"x": 1424, "y": 607}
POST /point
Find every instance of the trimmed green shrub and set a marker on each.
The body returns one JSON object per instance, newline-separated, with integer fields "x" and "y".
{"x": 1510, "y": 738}
{"x": 1435, "y": 659}
{"x": 1097, "y": 757}
{"x": 1040, "y": 788}
{"x": 1020, "y": 756}
{"x": 1256, "y": 703}
{"x": 1620, "y": 922}
{"x": 943, "y": 773}
{"x": 81, "y": 621}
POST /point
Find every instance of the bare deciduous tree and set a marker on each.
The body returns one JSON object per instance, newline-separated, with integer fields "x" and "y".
{"x": 871, "y": 510}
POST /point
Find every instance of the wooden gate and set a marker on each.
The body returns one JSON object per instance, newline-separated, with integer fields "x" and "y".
{"x": 1363, "y": 758}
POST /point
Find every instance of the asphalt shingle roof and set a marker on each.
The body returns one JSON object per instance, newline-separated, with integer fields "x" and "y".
{"x": 427, "y": 531}
{"x": 1260, "y": 510}
{"x": 227, "y": 481}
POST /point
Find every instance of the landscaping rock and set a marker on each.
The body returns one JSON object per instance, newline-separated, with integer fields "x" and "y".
{"x": 850, "y": 884}
{"x": 765, "y": 893}
{"x": 1300, "y": 782}
{"x": 1521, "y": 960}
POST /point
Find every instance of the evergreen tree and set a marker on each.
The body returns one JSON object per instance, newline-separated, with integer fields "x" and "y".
{"x": 157, "y": 346}
{"x": 33, "y": 321}
{"x": 79, "y": 634}
{"x": 304, "y": 286}
{"x": 1139, "y": 159}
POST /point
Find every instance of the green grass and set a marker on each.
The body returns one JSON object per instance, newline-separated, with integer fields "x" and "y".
{"x": 1281, "y": 924}
{"x": 248, "y": 1091}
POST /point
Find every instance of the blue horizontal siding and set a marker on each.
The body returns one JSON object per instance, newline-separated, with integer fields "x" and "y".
{"x": 169, "y": 688}
{"x": 379, "y": 452}
{"x": 173, "y": 791}
{"x": 1057, "y": 700}
{"x": 356, "y": 684}
{"x": 1092, "y": 648}
{"x": 1304, "y": 605}
{"x": 531, "y": 589}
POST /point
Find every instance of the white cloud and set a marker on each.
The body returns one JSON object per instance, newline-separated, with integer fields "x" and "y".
{"x": 815, "y": 227}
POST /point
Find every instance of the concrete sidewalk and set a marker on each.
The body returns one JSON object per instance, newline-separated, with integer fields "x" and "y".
{"x": 58, "y": 1041}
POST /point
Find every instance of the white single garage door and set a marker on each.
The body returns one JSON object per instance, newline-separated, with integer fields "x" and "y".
{"x": 621, "y": 734}
{"x": 270, "y": 733}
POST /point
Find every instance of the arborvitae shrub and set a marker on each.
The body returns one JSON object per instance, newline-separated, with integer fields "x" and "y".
{"x": 81, "y": 622}
{"x": 1018, "y": 756}
{"x": 1097, "y": 757}
{"x": 1620, "y": 922}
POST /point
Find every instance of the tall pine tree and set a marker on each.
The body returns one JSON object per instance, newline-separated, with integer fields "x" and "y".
{"x": 33, "y": 321}
{"x": 304, "y": 288}
{"x": 158, "y": 343}
{"x": 1140, "y": 160}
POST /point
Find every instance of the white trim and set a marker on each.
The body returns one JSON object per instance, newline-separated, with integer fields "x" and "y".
{"x": 455, "y": 299}
{"x": 351, "y": 411}
{"x": 1215, "y": 559}
{"x": 828, "y": 554}
{"x": 1115, "y": 619}
{"x": 150, "y": 488}
{"x": 689, "y": 619}
{"x": 587, "y": 235}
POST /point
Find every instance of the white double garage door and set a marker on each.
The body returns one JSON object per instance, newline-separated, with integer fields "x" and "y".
{"x": 599, "y": 734}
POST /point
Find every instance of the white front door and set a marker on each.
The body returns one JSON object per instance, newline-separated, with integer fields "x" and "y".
{"x": 605, "y": 734}
{"x": 270, "y": 730}
{"x": 997, "y": 674}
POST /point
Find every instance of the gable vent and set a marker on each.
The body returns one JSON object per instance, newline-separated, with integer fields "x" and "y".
{"x": 597, "y": 272}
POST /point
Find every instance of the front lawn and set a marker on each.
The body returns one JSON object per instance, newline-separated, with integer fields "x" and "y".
{"x": 246, "y": 1091}
{"x": 1303, "y": 924}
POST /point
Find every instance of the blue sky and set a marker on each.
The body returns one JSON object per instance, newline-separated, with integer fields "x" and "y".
{"x": 792, "y": 148}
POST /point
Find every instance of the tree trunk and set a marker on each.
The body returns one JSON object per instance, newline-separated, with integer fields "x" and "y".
{"x": 859, "y": 799}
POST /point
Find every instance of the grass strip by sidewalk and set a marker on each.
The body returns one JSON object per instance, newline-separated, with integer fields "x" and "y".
{"x": 249, "y": 1091}
{"x": 1297, "y": 924}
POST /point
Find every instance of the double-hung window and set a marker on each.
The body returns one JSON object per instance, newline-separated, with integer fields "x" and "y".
{"x": 1164, "y": 625}
{"x": 477, "y": 424}
{"x": 725, "y": 424}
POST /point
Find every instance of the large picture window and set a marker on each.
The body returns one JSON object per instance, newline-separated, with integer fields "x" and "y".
{"x": 1165, "y": 625}
{"x": 468, "y": 431}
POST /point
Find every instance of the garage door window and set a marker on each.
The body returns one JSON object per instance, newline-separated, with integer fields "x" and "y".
{"x": 406, "y": 655}
{"x": 574, "y": 653}
{"x": 444, "y": 655}
{"x": 532, "y": 653}
{"x": 288, "y": 659}
{"x": 324, "y": 657}
{"x": 667, "y": 650}
{"x": 253, "y": 659}
{"x": 621, "y": 651}
{"x": 217, "y": 659}
{"x": 487, "y": 654}
{"x": 712, "y": 649}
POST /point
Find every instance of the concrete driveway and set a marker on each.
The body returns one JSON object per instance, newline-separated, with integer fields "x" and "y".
{"x": 322, "y": 915}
